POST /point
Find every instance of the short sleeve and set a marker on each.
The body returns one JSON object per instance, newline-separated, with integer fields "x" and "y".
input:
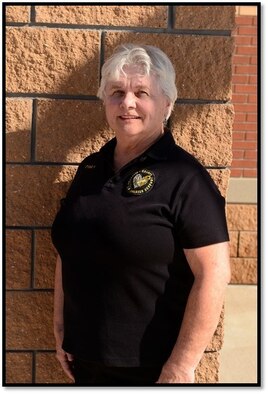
{"x": 199, "y": 212}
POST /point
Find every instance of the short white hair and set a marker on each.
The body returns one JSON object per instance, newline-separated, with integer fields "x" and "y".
{"x": 150, "y": 60}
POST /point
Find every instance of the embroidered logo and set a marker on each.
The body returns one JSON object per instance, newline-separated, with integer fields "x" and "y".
{"x": 90, "y": 166}
{"x": 141, "y": 182}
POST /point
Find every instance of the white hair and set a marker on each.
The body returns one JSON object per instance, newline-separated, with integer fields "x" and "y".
{"x": 150, "y": 60}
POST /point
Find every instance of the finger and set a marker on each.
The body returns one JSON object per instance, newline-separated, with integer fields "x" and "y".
{"x": 66, "y": 367}
{"x": 70, "y": 357}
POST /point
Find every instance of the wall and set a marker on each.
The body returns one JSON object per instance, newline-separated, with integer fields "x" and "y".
{"x": 242, "y": 194}
{"x": 239, "y": 355}
{"x": 54, "y": 55}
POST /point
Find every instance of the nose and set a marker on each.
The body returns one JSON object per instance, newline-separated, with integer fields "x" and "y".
{"x": 128, "y": 100}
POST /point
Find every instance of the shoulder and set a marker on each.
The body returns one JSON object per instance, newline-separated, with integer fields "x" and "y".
{"x": 185, "y": 161}
{"x": 189, "y": 172}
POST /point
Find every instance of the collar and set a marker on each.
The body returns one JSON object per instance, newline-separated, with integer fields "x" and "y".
{"x": 159, "y": 150}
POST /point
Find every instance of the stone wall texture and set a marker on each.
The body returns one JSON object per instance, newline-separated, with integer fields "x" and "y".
{"x": 54, "y": 119}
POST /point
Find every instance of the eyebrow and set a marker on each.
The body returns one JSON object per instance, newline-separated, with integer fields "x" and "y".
{"x": 120, "y": 86}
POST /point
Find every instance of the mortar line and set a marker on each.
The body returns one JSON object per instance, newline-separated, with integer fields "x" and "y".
{"x": 149, "y": 30}
{"x": 33, "y": 131}
{"x": 34, "y": 367}
{"x": 32, "y": 14}
{"x": 102, "y": 53}
{"x": 171, "y": 15}
{"x": 33, "y": 254}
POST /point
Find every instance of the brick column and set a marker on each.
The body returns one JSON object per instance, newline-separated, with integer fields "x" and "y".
{"x": 54, "y": 120}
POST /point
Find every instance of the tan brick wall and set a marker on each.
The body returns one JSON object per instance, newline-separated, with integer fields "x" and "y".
{"x": 242, "y": 222}
{"x": 54, "y": 120}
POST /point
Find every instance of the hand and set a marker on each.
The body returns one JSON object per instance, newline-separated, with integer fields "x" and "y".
{"x": 173, "y": 374}
{"x": 66, "y": 361}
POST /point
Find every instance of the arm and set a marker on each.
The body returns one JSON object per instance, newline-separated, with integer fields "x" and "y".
{"x": 211, "y": 269}
{"x": 64, "y": 358}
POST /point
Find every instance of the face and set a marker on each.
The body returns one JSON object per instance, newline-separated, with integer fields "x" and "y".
{"x": 135, "y": 105}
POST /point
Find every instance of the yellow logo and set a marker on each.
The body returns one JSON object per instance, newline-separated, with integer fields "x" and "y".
{"x": 141, "y": 182}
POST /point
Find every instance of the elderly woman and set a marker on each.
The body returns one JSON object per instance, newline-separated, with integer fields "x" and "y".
{"x": 142, "y": 241}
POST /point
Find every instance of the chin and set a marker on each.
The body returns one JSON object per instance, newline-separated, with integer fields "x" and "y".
{"x": 130, "y": 131}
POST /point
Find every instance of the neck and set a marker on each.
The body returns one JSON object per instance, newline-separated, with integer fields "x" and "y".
{"x": 128, "y": 149}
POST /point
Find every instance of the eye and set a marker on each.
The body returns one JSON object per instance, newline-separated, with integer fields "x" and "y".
{"x": 142, "y": 93}
{"x": 118, "y": 93}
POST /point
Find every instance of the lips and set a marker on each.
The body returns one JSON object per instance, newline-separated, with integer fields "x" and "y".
{"x": 129, "y": 117}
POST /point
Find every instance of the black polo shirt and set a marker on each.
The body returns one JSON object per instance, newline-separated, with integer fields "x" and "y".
{"x": 120, "y": 237}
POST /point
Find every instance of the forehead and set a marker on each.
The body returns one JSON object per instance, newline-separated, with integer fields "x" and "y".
{"x": 133, "y": 80}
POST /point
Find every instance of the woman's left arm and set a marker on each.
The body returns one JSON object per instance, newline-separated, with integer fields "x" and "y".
{"x": 211, "y": 269}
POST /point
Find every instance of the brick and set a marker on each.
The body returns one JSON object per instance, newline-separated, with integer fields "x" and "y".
{"x": 245, "y": 88}
{"x": 238, "y": 154}
{"x": 251, "y": 117}
{"x": 245, "y": 126}
{"x": 238, "y": 136}
{"x": 253, "y": 79}
{"x": 143, "y": 16}
{"x": 248, "y": 69}
{"x": 240, "y": 117}
{"x": 242, "y": 40}
{"x": 48, "y": 369}
{"x": 244, "y": 145}
{"x": 247, "y": 31}
{"x": 252, "y": 98}
{"x": 244, "y": 271}
{"x": 247, "y": 244}
{"x": 251, "y": 135}
{"x": 233, "y": 243}
{"x": 18, "y": 259}
{"x": 250, "y": 154}
{"x": 236, "y": 173}
{"x": 45, "y": 259}
{"x": 244, "y": 20}
{"x": 250, "y": 173}
{"x": 240, "y": 79}
{"x": 244, "y": 163}
{"x": 238, "y": 59}
{"x": 254, "y": 40}
{"x": 68, "y": 131}
{"x": 245, "y": 107}
{"x": 253, "y": 60}
{"x": 248, "y": 50}
{"x": 15, "y": 13}
{"x": 29, "y": 317}
{"x": 208, "y": 369}
{"x": 205, "y": 131}
{"x": 203, "y": 64}
{"x": 239, "y": 98}
{"x": 221, "y": 178}
{"x": 18, "y": 129}
{"x": 242, "y": 217}
{"x": 205, "y": 17}
{"x": 52, "y": 60}
{"x": 41, "y": 188}
{"x": 18, "y": 368}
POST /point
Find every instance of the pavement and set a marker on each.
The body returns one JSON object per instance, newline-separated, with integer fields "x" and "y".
{"x": 238, "y": 360}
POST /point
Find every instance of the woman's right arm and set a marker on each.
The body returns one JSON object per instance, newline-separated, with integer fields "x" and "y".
{"x": 65, "y": 359}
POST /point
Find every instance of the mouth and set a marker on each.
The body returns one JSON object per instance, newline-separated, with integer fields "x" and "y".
{"x": 129, "y": 117}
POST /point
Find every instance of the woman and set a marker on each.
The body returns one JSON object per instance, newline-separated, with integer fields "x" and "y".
{"x": 142, "y": 241}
